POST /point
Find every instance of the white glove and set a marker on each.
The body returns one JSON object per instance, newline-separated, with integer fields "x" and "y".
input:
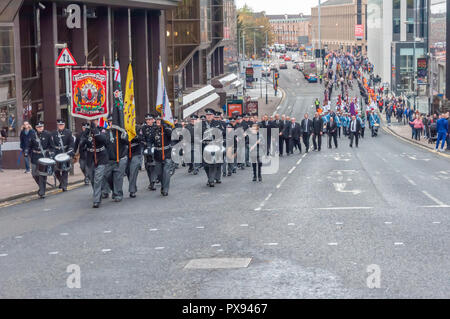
{"x": 124, "y": 136}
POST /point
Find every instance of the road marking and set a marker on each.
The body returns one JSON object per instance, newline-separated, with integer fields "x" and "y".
{"x": 436, "y": 222}
{"x": 388, "y": 223}
{"x": 244, "y": 225}
{"x": 436, "y": 206}
{"x": 410, "y": 180}
{"x": 107, "y": 232}
{"x": 154, "y": 229}
{"x": 291, "y": 170}
{"x": 18, "y": 237}
{"x": 106, "y": 250}
{"x": 268, "y": 197}
{"x": 339, "y": 187}
{"x": 200, "y": 227}
{"x": 47, "y": 209}
{"x": 299, "y": 161}
{"x": 434, "y": 199}
{"x": 281, "y": 183}
{"x": 291, "y": 224}
{"x": 338, "y": 223}
{"x": 53, "y": 253}
{"x": 258, "y": 209}
{"x": 159, "y": 248}
{"x": 399, "y": 244}
{"x": 3, "y": 255}
{"x": 271, "y": 244}
{"x": 215, "y": 245}
{"x": 218, "y": 263}
{"x": 332, "y": 244}
{"x": 304, "y": 156}
{"x": 344, "y": 208}
{"x": 220, "y": 250}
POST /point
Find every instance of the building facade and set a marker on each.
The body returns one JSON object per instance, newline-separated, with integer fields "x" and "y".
{"x": 291, "y": 30}
{"x": 32, "y": 33}
{"x": 201, "y": 48}
{"x": 343, "y": 25}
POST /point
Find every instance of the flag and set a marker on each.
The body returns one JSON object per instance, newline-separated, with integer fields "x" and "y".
{"x": 162, "y": 100}
{"x": 103, "y": 122}
{"x": 129, "y": 111}
{"x": 117, "y": 111}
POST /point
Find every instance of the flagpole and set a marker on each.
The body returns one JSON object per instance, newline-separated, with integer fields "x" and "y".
{"x": 117, "y": 145}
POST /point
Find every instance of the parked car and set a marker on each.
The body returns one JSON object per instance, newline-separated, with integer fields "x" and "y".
{"x": 274, "y": 68}
{"x": 287, "y": 58}
{"x": 312, "y": 78}
{"x": 283, "y": 66}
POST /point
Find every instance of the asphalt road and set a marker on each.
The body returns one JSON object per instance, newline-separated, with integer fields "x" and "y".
{"x": 311, "y": 230}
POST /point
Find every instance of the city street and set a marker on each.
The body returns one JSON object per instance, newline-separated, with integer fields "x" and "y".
{"x": 309, "y": 231}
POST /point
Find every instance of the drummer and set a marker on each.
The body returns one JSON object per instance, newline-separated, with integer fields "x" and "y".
{"x": 64, "y": 144}
{"x": 41, "y": 146}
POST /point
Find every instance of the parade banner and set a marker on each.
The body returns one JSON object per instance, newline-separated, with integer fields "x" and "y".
{"x": 89, "y": 94}
{"x": 130, "y": 108}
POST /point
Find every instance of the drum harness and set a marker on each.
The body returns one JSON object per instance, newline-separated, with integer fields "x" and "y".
{"x": 38, "y": 139}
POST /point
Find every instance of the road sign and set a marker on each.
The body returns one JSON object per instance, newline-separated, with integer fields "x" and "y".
{"x": 65, "y": 58}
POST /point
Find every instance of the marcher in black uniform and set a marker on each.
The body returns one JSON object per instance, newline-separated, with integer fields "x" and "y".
{"x": 278, "y": 124}
{"x": 64, "y": 143}
{"x": 41, "y": 145}
{"x": 82, "y": 152}
{"x": 118, "y": 161}
{"x": 332, "y": 132}
{"x": 293, "y": 132}
{"x": 162, "y": 154}
{"x": 134, "y": 161}
{"x": 266, "y": 124}
{"x": 95, "y": 140}
{"x": 256, "y": 150}
{"x": 212, "y": 170}
{"x": 317, "y": 131}
{"x": 148, "y": 131}
{"x": 193, "y": 166}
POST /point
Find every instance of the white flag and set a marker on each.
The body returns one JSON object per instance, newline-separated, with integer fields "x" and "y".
{"x": 162, "y": 100}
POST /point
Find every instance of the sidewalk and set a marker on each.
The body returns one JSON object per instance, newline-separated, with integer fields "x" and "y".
{"x": 15, "y": 183}
{"x": 404, "y": 131}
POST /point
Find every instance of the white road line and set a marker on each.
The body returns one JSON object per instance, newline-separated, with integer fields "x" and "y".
{"x": 271, "y": 244}
{"x": 106, "y": 250}
{"x": 399, "y": 244}
{"x": 53, "y": 253}
{"x": 436, "y": 206}
{"x": 258, "y": 209}
{"x": 338, "y": 223}
{"x": 299, "y": 161}
{"x": 244, "y": 225}
{"x": 64, "y": 234}
{"x": 268, "y": 197}
{"x": 304, "y": 155}
{"x": 436, "y": 223}
{"x": 434, "y": 199}
{"x": 3, "y": 255}
{"x": 332, "y": 244}
{"x": 107, "y": 232}
{"x": 220, "y": 251}
{"x": 281, "y": 183}
{"x": 410, "y": 180}
{"x": 291, "y": 170}
{"x": 388, "y": 223}
{"x": 154, "y": 229}
{"x": 215, "y": 245}
{"x": 18, "y": 237}
{"x": 291, "y": 224}
{"x": 344, "y": 208}
{"x": 159, "y": 248}
{"x": 200, "y": 227}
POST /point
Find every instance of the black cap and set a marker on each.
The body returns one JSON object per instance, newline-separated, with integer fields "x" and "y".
{"x": 246, "y": 115}
{"x": 232, "y": 119}
{"x": 203, "y": 117}
{"x": 194, "y": 117}
{"x": 239, "y": 117}
{"x": 209, "y": 112}
{"x": 217, "y": 114}
{"x": 40, "y": 124}
{"x": 229, "y": 125}
{"x": 85, "y": 125}
{"x": 60, "y": 122}
{"x": 148, "y": 116}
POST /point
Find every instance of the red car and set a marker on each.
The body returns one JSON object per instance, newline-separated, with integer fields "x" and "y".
{"x": 283, "y": 56}
{"x": 288, "y": 58}
{"x": 283, "y": 66}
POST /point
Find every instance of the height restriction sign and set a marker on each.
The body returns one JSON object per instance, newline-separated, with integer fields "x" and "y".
{"x": 65, "y": 58}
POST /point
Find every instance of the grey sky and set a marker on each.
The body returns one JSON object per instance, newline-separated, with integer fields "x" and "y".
{"x": 280, "y": 6}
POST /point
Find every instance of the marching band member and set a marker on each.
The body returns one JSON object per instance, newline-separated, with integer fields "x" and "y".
{"x": 161, "y": 141}
{"x": 148, "y": 131}
{"x": 41, "y": 146}
{"x": 64, "y": 143}
{"x": 134, "y": 161}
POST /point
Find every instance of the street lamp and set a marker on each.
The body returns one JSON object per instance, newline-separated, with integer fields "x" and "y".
{"x": 412, "y": 83}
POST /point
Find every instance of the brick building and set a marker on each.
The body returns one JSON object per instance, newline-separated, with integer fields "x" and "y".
{"x": 290, "y": 29}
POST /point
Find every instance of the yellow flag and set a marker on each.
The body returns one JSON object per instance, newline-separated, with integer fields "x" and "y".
{"x": 129, "y": 110}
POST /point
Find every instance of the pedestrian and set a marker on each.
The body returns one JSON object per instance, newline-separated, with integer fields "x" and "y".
{"x": 355, "y": 128}
{"x": 317, "y": 132}
{"x": 256, "y": 151}
{"x": 442, "y": 129}
{"x": 2, "y": 140}
{"x": 24, "y": 143}
{"x": 307, "y": 127}
{"x": 64, "y": 144}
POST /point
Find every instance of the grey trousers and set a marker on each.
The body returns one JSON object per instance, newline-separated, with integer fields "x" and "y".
{"x": 83, "y": 167}
{"x": 213, "y": 171}
{"x": 150, "y": 168}
{"x": 40, "y": 180}
{"x": 63, "y": 178}
{"x": 115, "y": 173}
{"x": 96, "y": 175}
{"x": 132, "y": 172}
{"x": 162, "y": 171}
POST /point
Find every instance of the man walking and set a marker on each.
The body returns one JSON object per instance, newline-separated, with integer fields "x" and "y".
{"x": 317, "y": 131}
{"x": 442, "y": 130}
{"x": 355, "y": 127}
{"x": 307, "y": 127}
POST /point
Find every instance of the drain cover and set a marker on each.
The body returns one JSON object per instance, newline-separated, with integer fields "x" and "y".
{"x": 218, "y": 263}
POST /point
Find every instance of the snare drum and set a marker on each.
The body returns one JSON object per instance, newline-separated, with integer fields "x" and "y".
{"x": 46, "y": 166}
{"x": 62, "y": 162}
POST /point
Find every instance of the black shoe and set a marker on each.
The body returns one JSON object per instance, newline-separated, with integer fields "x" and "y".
{"x": 133, "y": 195}
{"x": 195, "y": 172}
{"x": 190, "y": 171}
{"x": 351, "y": 145}
{"x": 152, "y": 187}
{"x": 229, "y": 174}
{"x": 117, "y": 200}
{"x": 41, "y": 196}
{"x": 64, "y": 189}
{"x": 248, "y": 165}
{"x": 254, "y": 178}
{"x": 96, "y": 205}
{"x": 218, "y": 181}
{"x": 60, "y": 187}
{"x": 164, "y": 194}
{"x": 105, "y": 196}
{"x": 224, "y": 174}
{"x": 234, "y": 171}
{"x": 260, "y": 178}
{"x": 211, "y": 184}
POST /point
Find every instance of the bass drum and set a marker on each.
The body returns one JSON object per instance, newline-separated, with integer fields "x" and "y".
{"x": 46, "y": 166}
{"x": 62, "y": 162}
{"x": 213, "y": 154}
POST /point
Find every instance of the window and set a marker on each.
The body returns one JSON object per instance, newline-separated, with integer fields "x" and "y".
{"x": 396, "y": 4}
{"x": 6, "y": 51}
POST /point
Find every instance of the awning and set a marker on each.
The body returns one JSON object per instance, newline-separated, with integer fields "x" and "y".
{"x": 228, "y": 78}
{"x": 9, "y": 10}
{"x": 199, "y": 105}
{"x": 197, "y": 94}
